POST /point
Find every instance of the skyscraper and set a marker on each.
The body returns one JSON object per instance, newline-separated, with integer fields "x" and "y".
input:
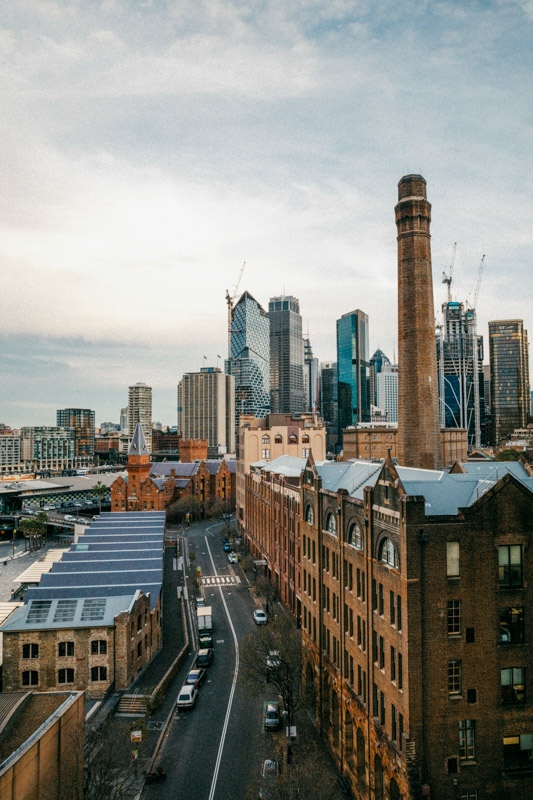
{"x": 377, "y": 363}
{"x": 418, "y": 402}
{"x": 329, "y": 403}
{"x": 353, "y": 370}
{"x": 286, "y": 356}
{"x": 387, "y": 392}
{"x": 206, "y": 409}
{"x": 250, "y": 357}
{"x": 460, "y": 368}
{"x": 509, "y": 377}
{"x": 140, "y": 410}
{"x": 82, "y": 421}
{"x": 311, "y": 377}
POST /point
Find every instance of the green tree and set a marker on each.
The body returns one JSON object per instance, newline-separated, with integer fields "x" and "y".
{"x": 35, "y": 527}
{"x": 100, "y": 490}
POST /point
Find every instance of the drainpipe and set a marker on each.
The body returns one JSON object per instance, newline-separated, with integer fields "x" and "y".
{"x": 340, "y": 577}
{"x": 422, "y": 540}
{"x": 368, "y": 599}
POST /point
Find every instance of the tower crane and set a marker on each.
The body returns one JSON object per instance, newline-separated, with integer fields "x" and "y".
{"x": 478, "y": 281}
{"x": 230, "y": 298}
{"x": 447, "y": 278}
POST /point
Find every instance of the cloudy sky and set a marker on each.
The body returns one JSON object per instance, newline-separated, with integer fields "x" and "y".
{"x": 149, "y": 148}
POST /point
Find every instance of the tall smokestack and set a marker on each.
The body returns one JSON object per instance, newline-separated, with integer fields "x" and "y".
{"x": 418, "y": 401}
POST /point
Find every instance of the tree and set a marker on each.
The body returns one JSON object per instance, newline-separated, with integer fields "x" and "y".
{"x": 35, "y": 527}
{"x": 267, "y": 589}
{"x": 273, "y": 655}
{"x": 188, "y": 504}
{"x": 310, "y": 775}
{"x": 100, "y": 490}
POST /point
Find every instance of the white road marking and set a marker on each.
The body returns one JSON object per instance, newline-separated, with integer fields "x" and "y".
{"x": 232, "y": 692}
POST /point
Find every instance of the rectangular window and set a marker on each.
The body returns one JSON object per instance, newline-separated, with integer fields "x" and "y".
{"x": 454, "y": 678}
{"x": 374, "y": 647}
{"x": 30, "y": 678}
{"x": 393, "y": 667}
{"x": 518, "y": 751}
{"x": 314, "y": 629}
{"x": 382, "y": 708}
{"x": 359, "y": 632}
{"x": 314, "y": 552}
{"x": 346, "y": 618}
{"x": 314, "y": 590}
{"x": 98, "y": 646}
{"x": 381, "y": 602}
{"x": 359, "y": 681}
{"x": 392, "y": 608}
{"x": 393, "y": 722}
{"x": 513, "y": 683}
{"x": 30, "y": 650}
{"x": 65, "y": 649}
{"x": 364, "y": 686}
{"x": 400, "y": 671}
{"x": 374, "y": 595}
{"x": 511, "y": 625}
{"x": 510, "y": 565}
{"x": 467, "y": 739}
{"x": 452, "y": 559}
{"x": 358, "y": 581}
{"x": 468, "y": 794}
{"x": 345, "y": 563}
{"x": 350, "y": 577}
{"x": 400, "y": 730}
{"x": 65, "y": 676}
{"x": 327, "y": 559}
{"x": 351, "y": 623}
{"x": 375, "y": 704}
{"x": 454, "y": 617}
{"x": 351, "y": 671}
{"x": 399, "y": 612}
{"x": 98, "y": 673}
{"x": 381, "y": 653}
{"x": 363, "y": 587}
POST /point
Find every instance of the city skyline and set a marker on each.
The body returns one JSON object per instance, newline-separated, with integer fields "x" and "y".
{"x": 124, "y": 141}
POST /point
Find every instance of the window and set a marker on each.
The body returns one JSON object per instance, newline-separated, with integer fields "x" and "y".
{"x": 98, "y": 646}
{"x": 355, "y": 536}
{"x": 399, "y": 612}
{"x": 374, "y": 647}
{"x": 30, "y": 650}
{"x": 387, "y": 553}
{"x": 139, "y": 649}
{"x": 331, "y": 523}
{"x": 306, "y": 452}
{"x": 98, "y": 673}
{"x": 392, "y": 608}
{"x": 305, "y": 439}
{"x": 278, "y": 439}
{"x": 381, "y": 604}
{"x": 65, "y": 675}
{"x": 452, "y": 559}
{"x": 374, "y": 595}
{"x": 30, "y": 677}
{"x": 518, "y": 751}
{"x": 454, "y": 617}
{"x": 400, "y": 671}
{"x": 293, "y": 439}
{"x": 467, "y": 739}
{"x": 65, "y": 649}
{"x": 393, "y": 667}
{"x": 454, "y": 678}
{"x": 382, "y": 708}
{"x": 265, "y": 440}
{"x": 265, "y": 452}
{"x": 511, "y": 625}
{"x": 393, "y": 721}
{"x": 375, "y": 705}
{"x": 310, "y": 515}
{"x": 358, "y": 582}
{"x": 381, "y": 653}
{"x": 510, "y": 565}
{"x": 468, "y": 794}
{"x": 513, "y": 683}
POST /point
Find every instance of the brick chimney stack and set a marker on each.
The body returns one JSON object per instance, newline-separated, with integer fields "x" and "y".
{"x": 418, "y": 402}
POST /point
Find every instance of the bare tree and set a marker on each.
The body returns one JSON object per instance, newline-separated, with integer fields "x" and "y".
{"x": 273, "y": 655}
{"x": 310, "y": 775}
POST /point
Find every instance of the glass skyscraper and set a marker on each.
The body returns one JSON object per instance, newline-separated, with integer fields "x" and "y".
{"x": 509, "y": 377}
{"x": 250, "y": 357}
{"x": 287, "y": 392}
{"x": 329, "y": 405}
{"x": 353, "y": 369}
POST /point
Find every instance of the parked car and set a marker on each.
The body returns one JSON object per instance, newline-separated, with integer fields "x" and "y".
{"x": 260, "y": 618}
{"x": 273, "y": 662}
{"x": 271, "y": 715}
{"x": 187, "y": 696}
{"x": 195, "y": 677}
{"x": 227, "y": 547}
{"x": 204, "y": 657}
{"x": 232, "y": 558}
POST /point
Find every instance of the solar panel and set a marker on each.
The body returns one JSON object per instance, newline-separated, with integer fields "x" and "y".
{"x": 93, "y": 609}
{"x": 39, "y": 611}
{"x": 65, "y": 610}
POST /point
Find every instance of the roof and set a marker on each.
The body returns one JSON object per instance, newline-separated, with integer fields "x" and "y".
{"x": 33, "y": 573}
{"x": 350, "y": 475}
{"x": 138, "y": 446}
{"x": 118, "y": 556}
{"x": 58, "y": 484}
{"x": 494, "y": 469}
{"x": 288, "y": 466}
{"x": 163, "y": 468}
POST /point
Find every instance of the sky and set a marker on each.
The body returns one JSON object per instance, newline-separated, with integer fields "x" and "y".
{"x": 149, "y": 148}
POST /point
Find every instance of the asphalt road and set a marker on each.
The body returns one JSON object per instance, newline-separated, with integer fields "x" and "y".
{"x": 214, "y": 751}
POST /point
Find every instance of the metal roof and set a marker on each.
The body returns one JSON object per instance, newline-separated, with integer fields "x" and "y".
{"x": 181, "y": 469}
{"x": 138, "y": 446}
{"x": 64, "y": 611}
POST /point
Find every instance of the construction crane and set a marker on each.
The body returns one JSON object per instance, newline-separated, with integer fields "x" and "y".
{"x": 447, "y": 278}
{"x": 478, "y": 281}
{"x": 230, "y": 298}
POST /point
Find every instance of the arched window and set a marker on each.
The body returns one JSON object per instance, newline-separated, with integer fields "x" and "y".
{"x": 310, "y": 515}
{"x": 355, "y": 536}
{"x": 305, "y": 439}
{"x": 266, "y": 439}
{"x": 293, "y": 439}
{"x": 278, "y": 439}
{"x": 387, "y": 553}
{"x": 331, "y": 523}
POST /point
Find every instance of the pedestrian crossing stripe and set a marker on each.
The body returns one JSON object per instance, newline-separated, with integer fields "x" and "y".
{"x": 220, "y": 580}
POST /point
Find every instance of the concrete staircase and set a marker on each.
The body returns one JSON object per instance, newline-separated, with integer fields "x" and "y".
{"x": 132, "y": 705}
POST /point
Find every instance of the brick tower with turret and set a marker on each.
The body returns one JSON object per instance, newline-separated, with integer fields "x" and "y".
{"x": 418, "y": 401}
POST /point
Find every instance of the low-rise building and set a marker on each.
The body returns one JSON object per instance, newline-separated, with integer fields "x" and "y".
{"x": 375, "y": 440}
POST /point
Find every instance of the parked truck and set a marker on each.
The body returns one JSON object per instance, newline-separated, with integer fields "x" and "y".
{"x": 205, "y": 620}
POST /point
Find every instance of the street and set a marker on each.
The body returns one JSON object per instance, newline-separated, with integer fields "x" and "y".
{"x": 214, "y": 750}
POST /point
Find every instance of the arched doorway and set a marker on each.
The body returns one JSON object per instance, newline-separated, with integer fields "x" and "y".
{"x": 310, "y": 690}
{"x": 335, "y": 718}
{"x": 379, "y": 789}
{"x": 394, "y": 792}
{"x": 349, "y": 748}
{"x": 361, "y": 760}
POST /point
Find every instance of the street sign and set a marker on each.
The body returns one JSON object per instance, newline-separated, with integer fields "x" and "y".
{"x": 136, "y": 736}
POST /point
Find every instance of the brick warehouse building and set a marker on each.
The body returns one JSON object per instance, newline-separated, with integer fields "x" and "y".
{"x": 419, "y": 689}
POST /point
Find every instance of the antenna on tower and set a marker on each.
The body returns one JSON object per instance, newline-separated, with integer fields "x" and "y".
{"x": 447, "y": 278}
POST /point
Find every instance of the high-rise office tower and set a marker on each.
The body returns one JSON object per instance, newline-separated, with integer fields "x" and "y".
{"x": 123, "y": 426}
{"x": 353, "y": 370}
{"x": 460, "y": 369}
{"x": 82, "y": 421}
{"x": 311, "y": 377}
{"x": 329, "y": 403}
{"x": 286, "y": 356}
{"x": 249, "y": 362}
{"x": 387, "y": 392}
{"x": 418, "y": 401}
{"x": 206, "y": 409}
{"x": 509, "y": 377}
{"x": 378, "y": 362}
{"x": 140, "y": 410}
